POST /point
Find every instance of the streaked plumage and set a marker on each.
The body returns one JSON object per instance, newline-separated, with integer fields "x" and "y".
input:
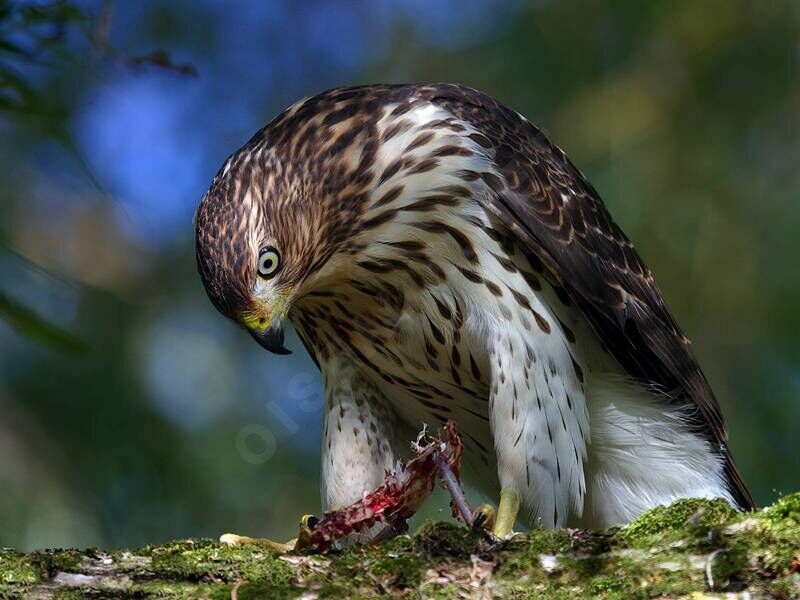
{"x": 440, "y": 258}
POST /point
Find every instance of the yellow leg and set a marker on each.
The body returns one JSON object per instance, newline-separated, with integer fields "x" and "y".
{"x": 500, "y": 522}
{"x": 507, "y": 513}
{"x": 302, "y": 540}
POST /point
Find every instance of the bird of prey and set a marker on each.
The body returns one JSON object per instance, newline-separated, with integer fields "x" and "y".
{"x": 441, "y": 259}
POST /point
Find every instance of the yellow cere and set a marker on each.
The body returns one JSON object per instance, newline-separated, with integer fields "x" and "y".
{"x": 259, "y": 320}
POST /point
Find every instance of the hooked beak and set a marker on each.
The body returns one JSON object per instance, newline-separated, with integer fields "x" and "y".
{"x": 272, "y": 337}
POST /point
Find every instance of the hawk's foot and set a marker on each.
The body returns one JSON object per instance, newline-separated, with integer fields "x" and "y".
{"x": 501, "y": 523}
{"x": 303, "y": 539}
{"x": 484, "y": 517}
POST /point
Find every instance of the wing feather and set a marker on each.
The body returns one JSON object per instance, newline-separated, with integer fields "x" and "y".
{"x": 554, "y": 211}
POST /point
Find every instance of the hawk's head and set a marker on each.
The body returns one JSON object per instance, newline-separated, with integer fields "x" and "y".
{"x": 342, "y": 188}
{"x": 268, "y": 227}
{"x": 259, "y": 239}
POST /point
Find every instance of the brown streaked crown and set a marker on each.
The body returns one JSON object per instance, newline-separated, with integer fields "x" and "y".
{"x": 222, "y": 248}
{"x": 290, "y": 187}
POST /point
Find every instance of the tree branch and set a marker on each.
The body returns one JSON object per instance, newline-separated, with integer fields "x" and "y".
{"x": 693, "y": 546}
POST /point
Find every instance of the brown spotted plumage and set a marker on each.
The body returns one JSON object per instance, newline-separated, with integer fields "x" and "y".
{"x": 440, "y": 258}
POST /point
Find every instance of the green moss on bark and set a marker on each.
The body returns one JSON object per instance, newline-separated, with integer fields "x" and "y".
{"x": 691, "y": 517}
{"x": 17, "y": 573}
{"x": 207, "y": 561}
{"x": 692, "y": 546}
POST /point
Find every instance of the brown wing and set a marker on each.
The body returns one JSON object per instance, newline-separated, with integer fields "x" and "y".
{"x": 559, "y": 216}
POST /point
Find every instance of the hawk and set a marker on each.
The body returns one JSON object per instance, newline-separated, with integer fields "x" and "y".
{"x": 441, "y": 259}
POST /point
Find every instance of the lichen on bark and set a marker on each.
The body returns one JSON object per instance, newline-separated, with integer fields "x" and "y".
{"x": 692, "y": 548}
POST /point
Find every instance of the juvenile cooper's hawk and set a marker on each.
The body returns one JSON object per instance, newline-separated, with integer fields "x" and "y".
{"x": 441, "y": 259}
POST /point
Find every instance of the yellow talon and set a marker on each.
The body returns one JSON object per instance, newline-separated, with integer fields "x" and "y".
{"x": 307, "y": 523}
{"x": 484, "y": 517}
{"x": 303, "y": 540}
{"x": 231, "y": 539}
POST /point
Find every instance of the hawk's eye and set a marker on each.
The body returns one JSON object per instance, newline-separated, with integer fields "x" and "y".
{"x": 268, "y": 262}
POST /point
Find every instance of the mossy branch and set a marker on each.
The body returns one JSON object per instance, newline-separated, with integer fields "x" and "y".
{"x": 692, "y": 548}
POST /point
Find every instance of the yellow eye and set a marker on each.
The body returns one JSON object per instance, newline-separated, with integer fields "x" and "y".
{"x": 269, "y": 261}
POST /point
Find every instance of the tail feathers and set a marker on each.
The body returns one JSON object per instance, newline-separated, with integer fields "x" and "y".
{"x": 736, "y": 484}
{"x": 644, "y": 453}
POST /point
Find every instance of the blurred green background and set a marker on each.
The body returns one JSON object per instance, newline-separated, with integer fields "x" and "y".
{"x": 131, "y": 412}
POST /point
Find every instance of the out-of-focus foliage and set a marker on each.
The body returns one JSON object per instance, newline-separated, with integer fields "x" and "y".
{"x": 131, "y": 412}
{"x": 28, "y": 34}
{"x": 28, "y": 323}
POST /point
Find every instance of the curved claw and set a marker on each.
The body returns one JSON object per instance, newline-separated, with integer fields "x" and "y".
{"x": 498, "y": 524}
{"x": 484, "y": 517}
{"x": 307, "y": 524}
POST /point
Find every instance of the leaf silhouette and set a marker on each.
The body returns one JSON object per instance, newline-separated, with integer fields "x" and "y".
{"x": 26, "y": 322}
